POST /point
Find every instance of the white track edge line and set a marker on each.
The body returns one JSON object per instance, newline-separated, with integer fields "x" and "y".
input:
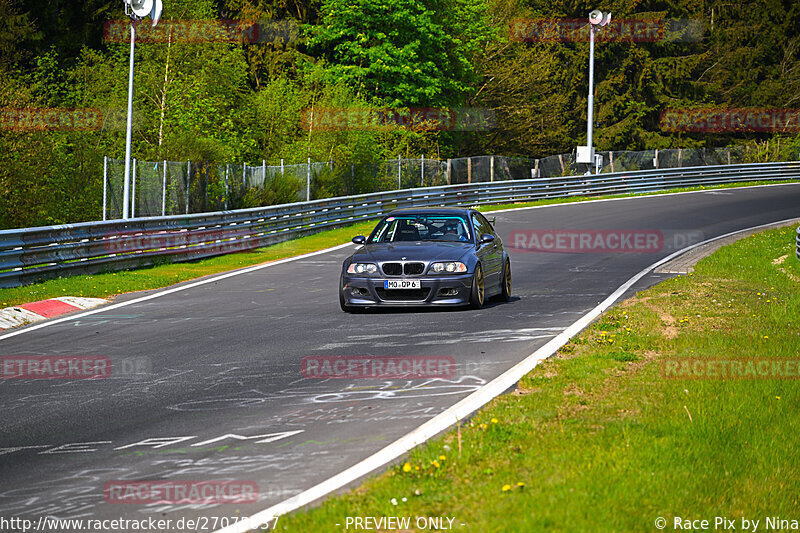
{"x": 174, "y": 289}
{"x": 461, "y": 409}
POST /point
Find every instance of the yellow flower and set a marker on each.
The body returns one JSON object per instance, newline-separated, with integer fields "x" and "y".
{"x": 521, "y": 485}
{"x": 442, "y": 457}
{"x": 407, "y": 467}
{"x": 506, "y": 488}
{"x": 436, "y": 464}
{"x": 494, "y": 421}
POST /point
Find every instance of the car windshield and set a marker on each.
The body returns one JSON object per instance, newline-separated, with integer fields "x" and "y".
{"x": 421, "y": 228}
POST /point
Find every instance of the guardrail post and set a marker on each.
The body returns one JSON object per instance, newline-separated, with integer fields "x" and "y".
{"x": 491, "y": 169}
{"x": 469, "y": 170}
{"x": 308, "y": 180}
{"x": 188, "y": 183}
{"x": 422, "y": 172}
{"x": 133, "y": 190}
{"x": 105, "y": 184}
{"x": 164, "y": 191}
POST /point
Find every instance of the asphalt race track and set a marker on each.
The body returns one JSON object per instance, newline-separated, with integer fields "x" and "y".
{"x": 208, "y": 382}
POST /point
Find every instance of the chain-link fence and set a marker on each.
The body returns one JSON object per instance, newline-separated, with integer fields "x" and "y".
{"x": 181, "y": 187}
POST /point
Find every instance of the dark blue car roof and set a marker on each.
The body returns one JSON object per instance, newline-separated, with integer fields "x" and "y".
{"x": 430, "y": 211}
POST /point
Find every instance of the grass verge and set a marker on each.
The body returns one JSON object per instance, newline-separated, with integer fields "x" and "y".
{"x": 598, "y": 438}
{"x": 164, "y": 275}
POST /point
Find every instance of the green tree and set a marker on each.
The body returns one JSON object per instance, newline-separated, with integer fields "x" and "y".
{"x": 393, "y": 52}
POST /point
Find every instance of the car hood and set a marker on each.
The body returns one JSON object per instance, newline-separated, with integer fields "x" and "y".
{"x": 412, "y": 251}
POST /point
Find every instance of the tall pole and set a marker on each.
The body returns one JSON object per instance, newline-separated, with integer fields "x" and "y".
{"x": 126, "y": 195}
{"x": 590, "y": 113}
{"x": 105, "y": 183}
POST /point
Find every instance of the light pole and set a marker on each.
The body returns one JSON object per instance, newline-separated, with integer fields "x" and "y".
{"x": 136, "y": 10}
{"x": 586, "y": 154}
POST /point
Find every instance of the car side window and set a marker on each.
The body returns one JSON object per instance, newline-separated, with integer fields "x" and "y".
{"x": 486, "y": 223}
{"x": 481, "y": 225}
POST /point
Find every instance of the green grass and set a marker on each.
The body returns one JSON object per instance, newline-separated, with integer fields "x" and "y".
{"x": 110, "y": 284}
{"x": 601, "y": 441}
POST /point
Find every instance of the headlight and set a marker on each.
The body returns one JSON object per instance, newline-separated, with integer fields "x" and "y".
{"x": 362, "y": 268}
{"x": 452, "y": 267}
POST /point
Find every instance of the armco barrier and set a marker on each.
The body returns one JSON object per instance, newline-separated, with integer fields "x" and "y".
{"x": 33, "y": 254}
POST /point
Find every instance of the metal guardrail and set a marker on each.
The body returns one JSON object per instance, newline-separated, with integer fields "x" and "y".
{"x": 34, "y": 254}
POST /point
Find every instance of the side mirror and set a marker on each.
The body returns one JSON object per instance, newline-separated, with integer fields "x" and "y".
{"x": 486, "y": 237}
{"x": 359, "y": 239}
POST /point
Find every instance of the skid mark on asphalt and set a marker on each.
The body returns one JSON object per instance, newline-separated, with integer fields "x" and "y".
{"x": 445, "y": 338}
{"x": 323, "y": 393}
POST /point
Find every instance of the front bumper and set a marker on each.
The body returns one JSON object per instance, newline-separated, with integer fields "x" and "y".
{"x": 435, "y": 290}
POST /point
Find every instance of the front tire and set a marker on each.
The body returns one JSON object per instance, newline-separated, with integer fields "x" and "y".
{"x": 505, "y": 287}
{"x": 478, "y": 294}
{"x": 342, "y": 303}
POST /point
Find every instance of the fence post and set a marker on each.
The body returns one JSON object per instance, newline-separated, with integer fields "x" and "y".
{"x": 561, "y": 162}
{"x": 448, "y": 171}
{"x": 680, "y": 157}
{"x": 188, "y": 183}
{"x": 281, "y": 167}
{"x": 469, "y": 170}
{"x": 491, "y": 169}
{"x": 133, "y": 190}
{"x": 264, "y": 171}
{"x": 536, "y": 168}
{"x": 729, "y": 155}
{"x": 611, "y": 159}
{"x": 227, "y": 191}
{"x": 399, "y": 172}
{"x": 164, "y": 191}
{"x": 308, "y": 180}
{"x": 655, "y": 159}
{"x": 105, "y": 183}
{"x": 422, "y": 172}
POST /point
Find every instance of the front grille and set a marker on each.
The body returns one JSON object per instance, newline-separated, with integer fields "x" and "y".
{"x": 413, "y": 269}
{"x": 403, "y": 295}
{"x": 392, "y": 269}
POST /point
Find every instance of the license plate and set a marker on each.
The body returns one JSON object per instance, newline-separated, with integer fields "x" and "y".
{"x": 402, "y": 284}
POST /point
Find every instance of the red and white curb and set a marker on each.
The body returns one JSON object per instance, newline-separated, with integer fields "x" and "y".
{"x": 12, "y": 317}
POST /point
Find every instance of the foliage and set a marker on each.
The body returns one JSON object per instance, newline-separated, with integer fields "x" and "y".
{"x": 228, "y": 101}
